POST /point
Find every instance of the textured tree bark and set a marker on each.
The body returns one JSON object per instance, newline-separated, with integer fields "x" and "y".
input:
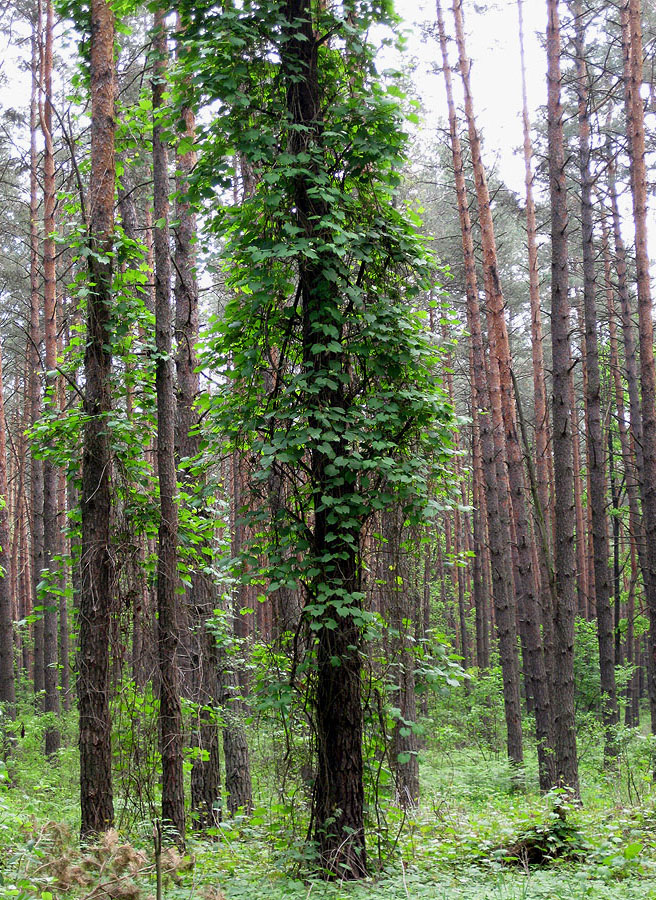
{"x": 397, "y": 592}
{"x": 64, "y": 637}
{"x": 50, "y": 518}
{"x": 564, "y": 514}
{"x": 481, "y": 599}
{"x": 34, "y": 358}
{"x": 457, "y": 573}
{"x": 205, "y": 774}
{"x": 7, "y": 683}
{"x": 583, "y": 592}
{"x": 543, "y": 455}
{"x": 167, "y": 547}
{"x": 595, "y": 444}
{"x": 635, "y": 520}
{"x": 96, "y": 570}
{"x": 528, "y": 601}
{"x": 499, "y": 535}
{"x": 632, "y": 44}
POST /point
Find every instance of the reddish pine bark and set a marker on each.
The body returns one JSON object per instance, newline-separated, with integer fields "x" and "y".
{"x": 529, "y": 605}
{"x": 499, "y": 535}
{"x": 34, "y": 359}
{"x": 632, "y": 44}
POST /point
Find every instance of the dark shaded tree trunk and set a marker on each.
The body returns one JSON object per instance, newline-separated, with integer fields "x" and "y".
{"x": 167, "y": 550}
{"x": 595, "y": 443}
{"x": 564, "y": 513}
{"x": 338, "y": 797}
{"x": 205, "y": 773}
{"x": 96, "y": 570}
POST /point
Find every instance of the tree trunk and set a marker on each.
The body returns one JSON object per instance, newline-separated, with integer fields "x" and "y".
{"x": 543, "y": 456}
{"x": 34, "y": 356}
{"x": 528, "y": 601}
{"x": 635, "y": 519}
{"x": 167, "y": 551}
{"x": 595, "y": 445}
{"x": 632, "y": 43}
{"x": 499, "y": 536}
{"x": 397, "y": 592}
{"x": 7, "y": 683}
{"x": 205, "y": 786}
{"x": 50, "y": 518}
{"x": 96, "y": 571}
{"x": 564, "y": 514}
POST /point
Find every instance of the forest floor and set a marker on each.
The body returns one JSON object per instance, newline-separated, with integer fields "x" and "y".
{"x": 474, "y": 838}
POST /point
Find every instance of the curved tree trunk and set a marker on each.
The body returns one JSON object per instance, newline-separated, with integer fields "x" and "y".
{"x": 486, "y": 397}
{"x": 529, "y": 604}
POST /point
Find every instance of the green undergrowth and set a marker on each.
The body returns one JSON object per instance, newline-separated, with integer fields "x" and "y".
{"x": 467, "y": 842}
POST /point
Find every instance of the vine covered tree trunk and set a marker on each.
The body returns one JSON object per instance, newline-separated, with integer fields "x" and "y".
{"x": 167, "y": 549}
{"x": 96, "y": 571}
{"x": 564, "y": 514}
{"x": 50, "y": 517}
{"x": 338, "y": 798}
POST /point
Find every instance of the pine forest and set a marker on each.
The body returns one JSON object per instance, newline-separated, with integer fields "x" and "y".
{"x": 327, "y": 450}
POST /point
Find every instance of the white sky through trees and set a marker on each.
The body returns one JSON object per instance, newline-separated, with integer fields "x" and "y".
{"x": 493, "y": 47}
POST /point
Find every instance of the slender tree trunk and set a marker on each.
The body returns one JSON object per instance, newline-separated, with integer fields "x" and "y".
{"x": 596, "y": 467}
{"x": 34, "y": 357}
{"x": 167, "y": 551}
{"x": 205, "y": 786}
{"x": 635, "y": 519}
{"x": 543, "y": 456}
{"x": 632, "y": 42}
{"x": 499, "y": 536}
{"x": 96, "y": 571}
{"x": 50, "y": 518}
{"x": 396, "y": 592}
{"x": 7, "y": 683}
{"x": 528, "y": 601}
{"x": 478, "y": 530}
{"x": 564, "y": 514}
